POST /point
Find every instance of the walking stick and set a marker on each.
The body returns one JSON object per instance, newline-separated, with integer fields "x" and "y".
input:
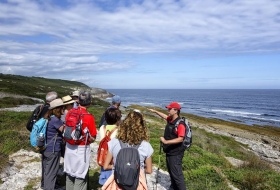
{"x": 160, "y": 146}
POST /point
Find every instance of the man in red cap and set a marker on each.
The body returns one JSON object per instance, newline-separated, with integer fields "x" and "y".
{"x": 172, "y": 145}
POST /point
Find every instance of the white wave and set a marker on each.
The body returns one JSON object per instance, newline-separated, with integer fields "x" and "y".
{"x": 262, "y": 119}
{"x": 147, "y": 103}
{"x": 235, "y": 112}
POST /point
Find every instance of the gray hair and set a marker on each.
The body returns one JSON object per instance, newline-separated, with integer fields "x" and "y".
{"x": 85, "y": 98}
{"x": 51, "y": 96}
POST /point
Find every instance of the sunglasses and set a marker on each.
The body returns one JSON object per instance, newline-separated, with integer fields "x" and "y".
{"x": 171, "y": 109}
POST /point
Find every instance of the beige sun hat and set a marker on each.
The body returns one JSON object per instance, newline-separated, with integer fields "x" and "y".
{"x": 56, "y": 103}
{"x": 67, "y": 100}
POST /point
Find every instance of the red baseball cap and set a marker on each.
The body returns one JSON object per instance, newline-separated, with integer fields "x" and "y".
{"x": 175, "y": 105}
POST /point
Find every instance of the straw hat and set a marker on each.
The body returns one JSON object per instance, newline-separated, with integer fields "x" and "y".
{"x": 56, "y": 103}
{"x": 67, "y": 100}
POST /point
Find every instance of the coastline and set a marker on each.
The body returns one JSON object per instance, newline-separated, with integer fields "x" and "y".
{"x": 243, "y": 106}
{"x": 262, "y": 140}
{"x": 253, "y": 142}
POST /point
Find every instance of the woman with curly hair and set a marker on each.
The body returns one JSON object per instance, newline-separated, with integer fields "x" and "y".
{"x": 133, "y": 132}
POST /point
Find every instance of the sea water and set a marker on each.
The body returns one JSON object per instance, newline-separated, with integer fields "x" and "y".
{"x": 261, "y": 107}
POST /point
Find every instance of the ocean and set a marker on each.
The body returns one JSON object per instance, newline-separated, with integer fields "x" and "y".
{"x": 261, "y": 107}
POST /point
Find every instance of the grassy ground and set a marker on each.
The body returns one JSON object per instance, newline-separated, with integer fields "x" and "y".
{"x": 36, "y": 86}
{"x": 9, "y": 102}
{"x": 205, "y": 166}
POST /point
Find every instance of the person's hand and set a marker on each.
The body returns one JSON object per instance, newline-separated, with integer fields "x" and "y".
{"x": 162, "y": 139}
{"x": 91, "y": 139}
{"x": 152, "y": 110}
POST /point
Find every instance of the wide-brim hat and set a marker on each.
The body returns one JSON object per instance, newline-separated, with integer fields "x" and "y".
{"x": 67, "y": 100}
{"x": 175, "y": 105}
{"x": 56, "y": 103}
{"x": 75, "y": 93}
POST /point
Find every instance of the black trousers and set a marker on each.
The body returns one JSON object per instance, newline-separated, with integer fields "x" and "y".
{"x": 174, "y": 166}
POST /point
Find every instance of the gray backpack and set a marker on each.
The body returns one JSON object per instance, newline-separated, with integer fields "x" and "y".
{"x": 127, "y": 167}
{"x": 187, "y": 142}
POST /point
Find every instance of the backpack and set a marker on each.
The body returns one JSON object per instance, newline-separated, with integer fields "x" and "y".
{"x": 38, "y": 135}
{"x": 34, "y": 117}
{"x": 39, "y": 128}
{"x": 103, "y": 146}
{"x": 187, "y": 142}
{"x": 127, "y": 167}
{"x": 74, "y": 133}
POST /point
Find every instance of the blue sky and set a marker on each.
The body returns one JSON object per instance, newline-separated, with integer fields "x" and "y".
{"x": 152, "y": 44}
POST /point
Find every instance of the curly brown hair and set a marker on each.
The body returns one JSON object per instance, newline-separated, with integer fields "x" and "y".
{"x": 133, "y": 129}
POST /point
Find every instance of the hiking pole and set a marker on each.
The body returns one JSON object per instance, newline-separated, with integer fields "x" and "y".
{"x": 160, "y": 146}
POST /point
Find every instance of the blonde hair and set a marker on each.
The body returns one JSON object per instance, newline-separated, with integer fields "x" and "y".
{"x": 133, "y": 129}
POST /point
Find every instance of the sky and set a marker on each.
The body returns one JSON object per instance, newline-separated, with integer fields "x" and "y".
{"x": 144, "y": 44}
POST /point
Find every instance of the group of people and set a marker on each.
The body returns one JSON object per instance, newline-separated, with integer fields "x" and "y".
{"x": 132, "y": 131}
{"x": 55, "y": 111}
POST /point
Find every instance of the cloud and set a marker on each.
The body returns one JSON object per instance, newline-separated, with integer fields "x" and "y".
{"x": 45, "y": 37}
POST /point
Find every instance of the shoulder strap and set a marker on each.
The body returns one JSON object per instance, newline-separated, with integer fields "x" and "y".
{"x": 123, "y": 145}
{"x": 40, "y": 110}
{"x": 179, "y": 121}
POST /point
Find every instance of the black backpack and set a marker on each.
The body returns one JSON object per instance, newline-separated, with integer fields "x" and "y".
{"x": 34, "y": 117}
{"x": 187, "y": 142}
{"x": 127, "y": 167}
{"x": 38, "y": 113}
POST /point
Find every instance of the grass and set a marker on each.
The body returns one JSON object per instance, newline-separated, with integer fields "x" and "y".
{"x": 37, "y": 86}
{"x": 8, "y": 102}
{"x": 204, "y": 165}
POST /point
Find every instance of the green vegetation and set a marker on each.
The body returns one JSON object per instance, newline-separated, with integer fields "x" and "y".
{"x": 28, "y": 86}
{"x": 205, "y": 164}
{"x": 8, "y": 102}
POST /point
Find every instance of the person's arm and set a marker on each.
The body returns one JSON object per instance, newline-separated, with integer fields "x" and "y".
{"x": 92, "y": 139}
{"x": 101, "y": 132}
{"x": 92, "y": 129}
{"x": 172, "y": 141}
{"x": 107, "y": 165}
{"x": 148, "y": 165}
{"x": 162, "y": 115}
{"x": 179, "y": 139}
{"x": 61, "y": 129}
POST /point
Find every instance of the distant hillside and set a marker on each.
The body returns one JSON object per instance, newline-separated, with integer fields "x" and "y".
{"x": 37, "y": 87}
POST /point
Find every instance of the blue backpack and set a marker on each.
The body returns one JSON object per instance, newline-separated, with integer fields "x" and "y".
{"x": 38, "y": 134}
